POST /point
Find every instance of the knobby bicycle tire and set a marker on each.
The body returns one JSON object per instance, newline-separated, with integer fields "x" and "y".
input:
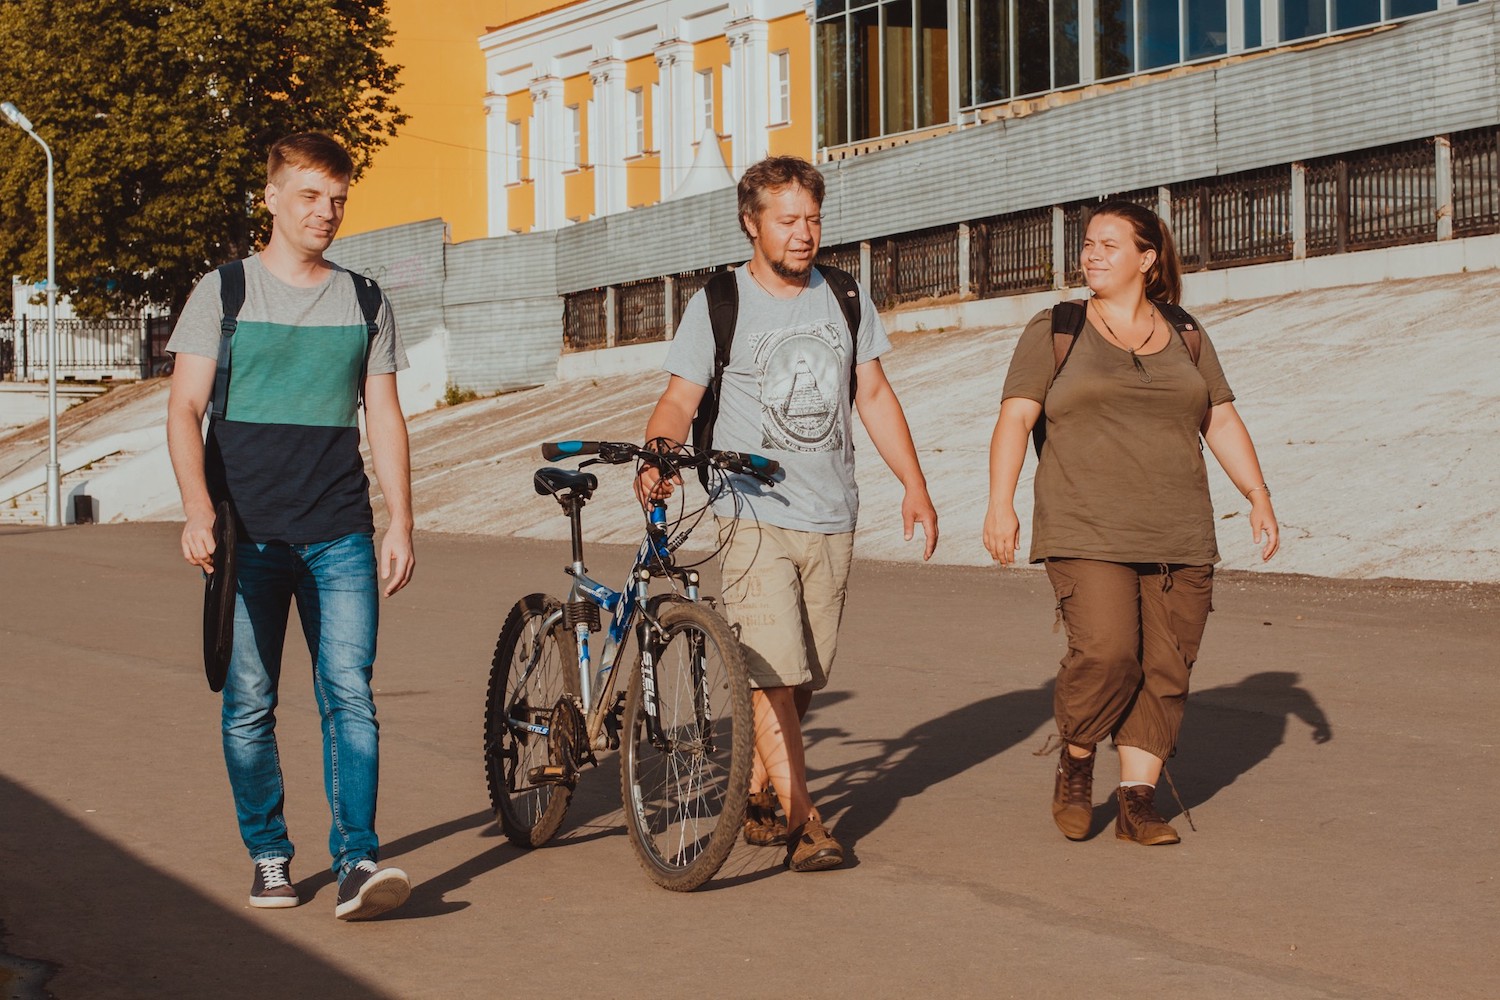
{"x": 684, "y": 804}
{"x": 528, "y": 812}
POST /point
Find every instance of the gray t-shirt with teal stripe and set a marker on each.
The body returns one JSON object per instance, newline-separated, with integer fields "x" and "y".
{"x": 287, "y": 451}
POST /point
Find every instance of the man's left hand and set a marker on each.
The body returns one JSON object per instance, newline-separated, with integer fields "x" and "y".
{"x": 397, "y": 559}
{"x": 917, "y": 508}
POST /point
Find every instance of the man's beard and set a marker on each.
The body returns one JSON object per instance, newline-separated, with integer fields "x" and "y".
{"x": 790, "y": 273}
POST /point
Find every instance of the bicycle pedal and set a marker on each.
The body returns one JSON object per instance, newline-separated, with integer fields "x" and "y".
{"x": 548, "y": 774}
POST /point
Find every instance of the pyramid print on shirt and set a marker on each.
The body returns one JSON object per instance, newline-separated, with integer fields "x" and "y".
{"x": 802, "y": 372}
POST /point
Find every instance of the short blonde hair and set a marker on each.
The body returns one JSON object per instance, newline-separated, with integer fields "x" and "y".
{"x": 309, "y": 151}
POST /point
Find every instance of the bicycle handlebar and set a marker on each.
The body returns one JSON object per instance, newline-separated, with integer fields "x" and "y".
{"x": 620, "y": 452}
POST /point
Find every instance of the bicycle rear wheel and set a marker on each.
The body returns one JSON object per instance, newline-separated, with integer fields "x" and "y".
{"x": 531, "y": 722}
{"x": 684, "y": 799}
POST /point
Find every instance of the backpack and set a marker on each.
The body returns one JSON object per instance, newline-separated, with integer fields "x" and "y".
{"x": 723, "y": 310}
{"x": 232, "y": 298}
{"x": 1067, "y": 324}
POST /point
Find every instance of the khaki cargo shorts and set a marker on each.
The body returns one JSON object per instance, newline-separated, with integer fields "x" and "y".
{"x": 784, "y": 594}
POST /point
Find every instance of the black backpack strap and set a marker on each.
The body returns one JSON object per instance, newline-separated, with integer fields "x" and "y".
{"x": 231, "y": 298}
{"x": 723, "y": 293}
{"x": 1187, "y": 328}
{"x": 369, "y": 304}
{"x": 846, "y": 292}
{"x": 1067, "y": 324}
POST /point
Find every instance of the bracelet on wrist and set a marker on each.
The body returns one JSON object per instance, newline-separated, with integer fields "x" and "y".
{"x": 1262, "y": 488}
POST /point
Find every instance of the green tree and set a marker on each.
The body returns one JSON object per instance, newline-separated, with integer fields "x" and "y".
{"x": 160, "y": 115}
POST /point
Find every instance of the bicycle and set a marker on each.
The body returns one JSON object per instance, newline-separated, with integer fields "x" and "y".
{"x": 683, "y": 724}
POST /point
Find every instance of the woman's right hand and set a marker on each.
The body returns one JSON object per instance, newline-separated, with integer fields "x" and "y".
{"x": 1002, "y": 533}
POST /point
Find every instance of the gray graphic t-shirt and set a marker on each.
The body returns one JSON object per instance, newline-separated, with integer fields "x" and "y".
{"x": 785, "y": 396}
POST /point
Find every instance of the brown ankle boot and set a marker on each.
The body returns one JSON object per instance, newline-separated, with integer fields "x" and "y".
{"x": 1073, "y": 795}
{"x": 1138, "y": 819}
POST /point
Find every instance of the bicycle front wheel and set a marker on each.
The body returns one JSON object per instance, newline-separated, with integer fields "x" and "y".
{"x": 684, "y": 791}
{"x": 531, "y": 722}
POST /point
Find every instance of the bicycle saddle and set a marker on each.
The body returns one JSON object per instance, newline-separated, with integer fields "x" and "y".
{"x": 550, "y": 482}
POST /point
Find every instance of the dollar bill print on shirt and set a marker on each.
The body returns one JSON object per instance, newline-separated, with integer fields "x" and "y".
{"x": 802, "y": 372}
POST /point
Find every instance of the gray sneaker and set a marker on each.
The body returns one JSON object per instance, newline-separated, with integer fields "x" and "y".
{"x": 368, "y": 891}
{"x": 272, "y": 886}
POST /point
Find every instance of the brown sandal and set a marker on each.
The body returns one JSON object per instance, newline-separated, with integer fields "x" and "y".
{"x": 763, "y": 828}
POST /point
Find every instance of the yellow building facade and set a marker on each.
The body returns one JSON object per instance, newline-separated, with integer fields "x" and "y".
{"x": 436, "y": 166}
{"x": 596, "y": 107}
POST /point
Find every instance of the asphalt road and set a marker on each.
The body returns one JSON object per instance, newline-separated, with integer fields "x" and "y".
{"x": 1338, "y": 758}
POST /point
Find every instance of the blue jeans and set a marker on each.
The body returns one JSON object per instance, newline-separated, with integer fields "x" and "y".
{"x": 337, "y": 601}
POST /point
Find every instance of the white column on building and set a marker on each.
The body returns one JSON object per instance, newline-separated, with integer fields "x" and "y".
{"x": 610, "y": 122}
{"x": 497, "y": 164}
{"x": 674, "y": 61}
{"x": 549, "y": 151}
{"x": 748, "y": 55}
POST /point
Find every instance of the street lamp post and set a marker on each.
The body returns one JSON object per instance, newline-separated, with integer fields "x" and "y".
{"x": 54, "y": 496}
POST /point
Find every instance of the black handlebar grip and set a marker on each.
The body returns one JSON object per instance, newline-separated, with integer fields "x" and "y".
{"x": 554, "y": 450}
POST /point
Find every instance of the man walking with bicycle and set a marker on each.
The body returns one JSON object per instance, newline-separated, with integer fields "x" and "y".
{"x": 793, "y": 375}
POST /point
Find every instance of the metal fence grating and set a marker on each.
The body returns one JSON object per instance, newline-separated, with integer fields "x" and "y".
{"x": 913, "y": 266}
{"x": 1011, "y": 253}
{"x": 1243, "y": 218}
{"x": 1075, "y": 222}
{"x": 844, "y": 257}
{"x": 1372, "y": 198}
{"x": 1476, "y": 182}
{"x": 584, "y": 320}
{"x": 641, "y": 311}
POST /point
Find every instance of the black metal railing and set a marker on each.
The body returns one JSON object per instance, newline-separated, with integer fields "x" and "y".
{"x": 844, "y": 257}
{"x": 1360, "y": 200}
{"x": 914, "y": 266}
{"x": 1075, "y": 221}
{"x": 585, "y": 323}
{"x": 1243, "y": 218}
{"x": 684, "y": 286}
{"x": 1372, "y": 198}
{"x": 1476, "y": 182}
{"x": 1011, "y": 253}
{"x": 641, "y": 311}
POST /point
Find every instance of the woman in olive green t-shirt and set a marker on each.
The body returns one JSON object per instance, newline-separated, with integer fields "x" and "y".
{"x": 1123, "y": 519}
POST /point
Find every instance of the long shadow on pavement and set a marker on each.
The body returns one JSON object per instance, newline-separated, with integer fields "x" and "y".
{"x": 1231, "y": 729}
{"x": 428, "y": 894}
{"x": 870, "y": 789}
{"x": 133, "y": 930}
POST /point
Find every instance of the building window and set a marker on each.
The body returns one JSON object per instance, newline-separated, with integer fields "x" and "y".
{"x": 575, "y": 136}
{"x": 781, "y": 87}
{"x": 882, "y": 68}
{"x": 635, "y": 106}
{"x": 705, "y": 101}
{"x": 882, "y": 65}
{"x": 513, "y": 171}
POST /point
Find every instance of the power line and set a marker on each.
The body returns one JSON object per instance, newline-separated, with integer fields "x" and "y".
{"x": 559, "y": 163}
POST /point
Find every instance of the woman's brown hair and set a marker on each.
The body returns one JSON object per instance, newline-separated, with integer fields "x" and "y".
{"x": 1164, "y": 279}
